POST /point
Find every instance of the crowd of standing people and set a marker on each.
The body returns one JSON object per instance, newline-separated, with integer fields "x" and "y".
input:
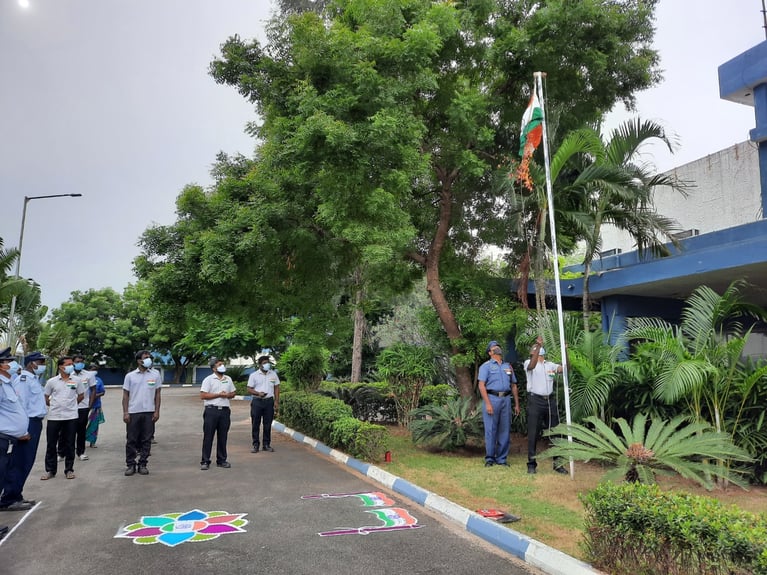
{"x": 70, "y": 401}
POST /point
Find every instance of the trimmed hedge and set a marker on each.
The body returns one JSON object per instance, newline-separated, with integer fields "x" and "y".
{"x": 331, "y": 421}
{"x": 635, "y": 529}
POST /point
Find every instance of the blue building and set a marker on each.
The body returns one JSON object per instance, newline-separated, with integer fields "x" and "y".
{"x": 625, "y": 285}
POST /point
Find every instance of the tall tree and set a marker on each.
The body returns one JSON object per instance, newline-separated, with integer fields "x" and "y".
{"x": 404, "y": 109}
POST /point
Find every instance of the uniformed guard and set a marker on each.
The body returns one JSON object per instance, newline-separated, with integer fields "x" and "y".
{"x": 497, "y": 383}
{"x": 264, "y": 386}
{"x": 30, "y": 392}
{"x": 13, "y": 419}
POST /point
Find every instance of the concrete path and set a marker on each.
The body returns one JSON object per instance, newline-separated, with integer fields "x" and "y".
{"x": 73, "y": 528}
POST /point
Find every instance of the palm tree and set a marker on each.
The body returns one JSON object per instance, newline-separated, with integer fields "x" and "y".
{"x": 698, "y": 361}
{"x": 623, "y": 196}
{"x": 641, "y": 452}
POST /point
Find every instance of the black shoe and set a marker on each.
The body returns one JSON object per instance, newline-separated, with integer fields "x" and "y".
{"x": 268, "y": 448}
{"x": 489, "y": 463}
{"x": 560, "y": 469}
{"x": 254, "y": 449}
{"x": 504, "y": 464}
{"x": 224, "y": 464}
{"x": 17, "y": 506}
{"x": 204, "y": 466}
{"x": 531, "y": 469}
{"x": 130, "y": 471}
{"x": 142, "y": 470}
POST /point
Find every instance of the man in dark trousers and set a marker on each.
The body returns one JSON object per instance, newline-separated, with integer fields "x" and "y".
{"x": 264, "y": 388}
{"x": 216, "y": 391}
{"x": 541, "y": 402}
{"x": 141, "y": 409}
{"x": 30, "y": 393}
{"x": 13, "y": 420}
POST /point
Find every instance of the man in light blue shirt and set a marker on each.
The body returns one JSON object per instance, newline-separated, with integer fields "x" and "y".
{"x": 13, "y": 420}
{"x": 30, "y": 392}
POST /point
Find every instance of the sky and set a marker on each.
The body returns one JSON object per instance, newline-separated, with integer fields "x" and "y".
{"x": 112, "y": 99}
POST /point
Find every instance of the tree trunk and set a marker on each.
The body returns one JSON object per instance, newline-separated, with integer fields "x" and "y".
{"x": 434, "y": 287}
{"x": 359, "y": 333}
{"x": 586, "y": 303}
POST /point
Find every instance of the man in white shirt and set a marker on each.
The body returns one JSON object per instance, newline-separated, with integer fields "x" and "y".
{"x": 216, "y": 391}
{"x": 62, "y": 394}
{"x": 264, "y": 388}
{"x": 541, "y": 401}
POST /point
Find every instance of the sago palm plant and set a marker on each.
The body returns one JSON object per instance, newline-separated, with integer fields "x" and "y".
{"x": 446, "y": 427}
{"x": 640, "y": 453}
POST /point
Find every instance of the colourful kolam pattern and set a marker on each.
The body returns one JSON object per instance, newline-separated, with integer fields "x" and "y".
{"x": 173, "y": 529}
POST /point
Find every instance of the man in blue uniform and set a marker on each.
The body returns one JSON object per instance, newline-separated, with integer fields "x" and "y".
{"x": 13, "y": 420}
{"x": 30, "y": 392}
{"x": 497, "y": 384}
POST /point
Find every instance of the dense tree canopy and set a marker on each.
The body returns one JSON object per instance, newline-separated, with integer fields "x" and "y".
{"x": 385, "y": 122}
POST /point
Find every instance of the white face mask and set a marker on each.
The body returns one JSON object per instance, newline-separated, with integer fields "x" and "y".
{"x": 265, "y": 366}
{"x": 147, "y": 362}
{"x": 221, "y": 369}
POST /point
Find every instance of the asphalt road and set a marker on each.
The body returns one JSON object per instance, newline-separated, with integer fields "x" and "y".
{"x": 75, "y": 526}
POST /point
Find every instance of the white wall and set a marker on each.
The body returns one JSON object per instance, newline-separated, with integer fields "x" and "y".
{"x": 726, "y": 194}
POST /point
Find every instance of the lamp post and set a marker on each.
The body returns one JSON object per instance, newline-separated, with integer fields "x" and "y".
{"x": 11, "y": 315}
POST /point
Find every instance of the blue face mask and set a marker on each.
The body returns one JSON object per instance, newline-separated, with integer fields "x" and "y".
{"x": 266, "y": 366}
{"x": 147, "y": 362}
{"x": 79, "y": 366}
{"x": 221, "y": 369}
{"x": 40, "y": 370}
{"x": 69, "y": 369}
{"x": 14, "y": 367}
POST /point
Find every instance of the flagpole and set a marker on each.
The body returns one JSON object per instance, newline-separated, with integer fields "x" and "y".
{"x": 550, "y": 196}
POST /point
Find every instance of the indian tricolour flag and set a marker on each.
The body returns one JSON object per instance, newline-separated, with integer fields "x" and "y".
{"x": 530, "y": 137}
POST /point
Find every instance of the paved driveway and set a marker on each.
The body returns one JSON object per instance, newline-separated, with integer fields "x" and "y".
{"x": 72, "y": 530}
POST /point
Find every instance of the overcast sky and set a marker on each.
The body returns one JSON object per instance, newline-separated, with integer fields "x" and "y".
{"x": 112, "y": 99}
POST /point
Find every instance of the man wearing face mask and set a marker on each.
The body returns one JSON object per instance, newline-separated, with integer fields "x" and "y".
{"x": 264, "y": 387}
{"x": 62, "y": 394}
{"x": 13, "y": 421}
{"x": 497, "y": 383}
{"x": 216, "y": 391}
{"x": 83, "y": 408}
{"x": 30, "y": 393}
{"x": 141, "y": 410}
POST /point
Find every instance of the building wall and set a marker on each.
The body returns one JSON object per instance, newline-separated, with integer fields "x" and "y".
{"x": 726, "y": 193}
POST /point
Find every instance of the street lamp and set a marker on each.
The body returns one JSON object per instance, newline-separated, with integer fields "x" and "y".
{"x": 11, "y": 318}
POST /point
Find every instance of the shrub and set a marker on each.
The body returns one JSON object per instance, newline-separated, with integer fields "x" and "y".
{"x": 407, "y": 369}
{"x": 304, "y": 366}
{"x": 359, "y": 439}
{"x": 447, "y": 427}
{"x": 636, "y": 528}
{"x": 438, "y": 394}
{"x": 369, "y": 401}
{"x": 331, "y": 421}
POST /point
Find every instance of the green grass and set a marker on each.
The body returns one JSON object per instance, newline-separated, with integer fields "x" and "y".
{"x": 547, "y": 502}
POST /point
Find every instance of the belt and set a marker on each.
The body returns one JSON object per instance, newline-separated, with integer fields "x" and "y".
{"x": 219, "y": 407}
{"x": 498, "y": 393}
{"x": 262, "y": 398}
{"x": 539, "y": 395}
{"x": 8, "y": 437}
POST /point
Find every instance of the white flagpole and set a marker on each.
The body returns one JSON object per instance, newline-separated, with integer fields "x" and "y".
{"x": 539, "y": 85}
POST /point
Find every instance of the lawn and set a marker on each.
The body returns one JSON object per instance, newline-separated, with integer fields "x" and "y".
{"x": 547, "y": 502}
